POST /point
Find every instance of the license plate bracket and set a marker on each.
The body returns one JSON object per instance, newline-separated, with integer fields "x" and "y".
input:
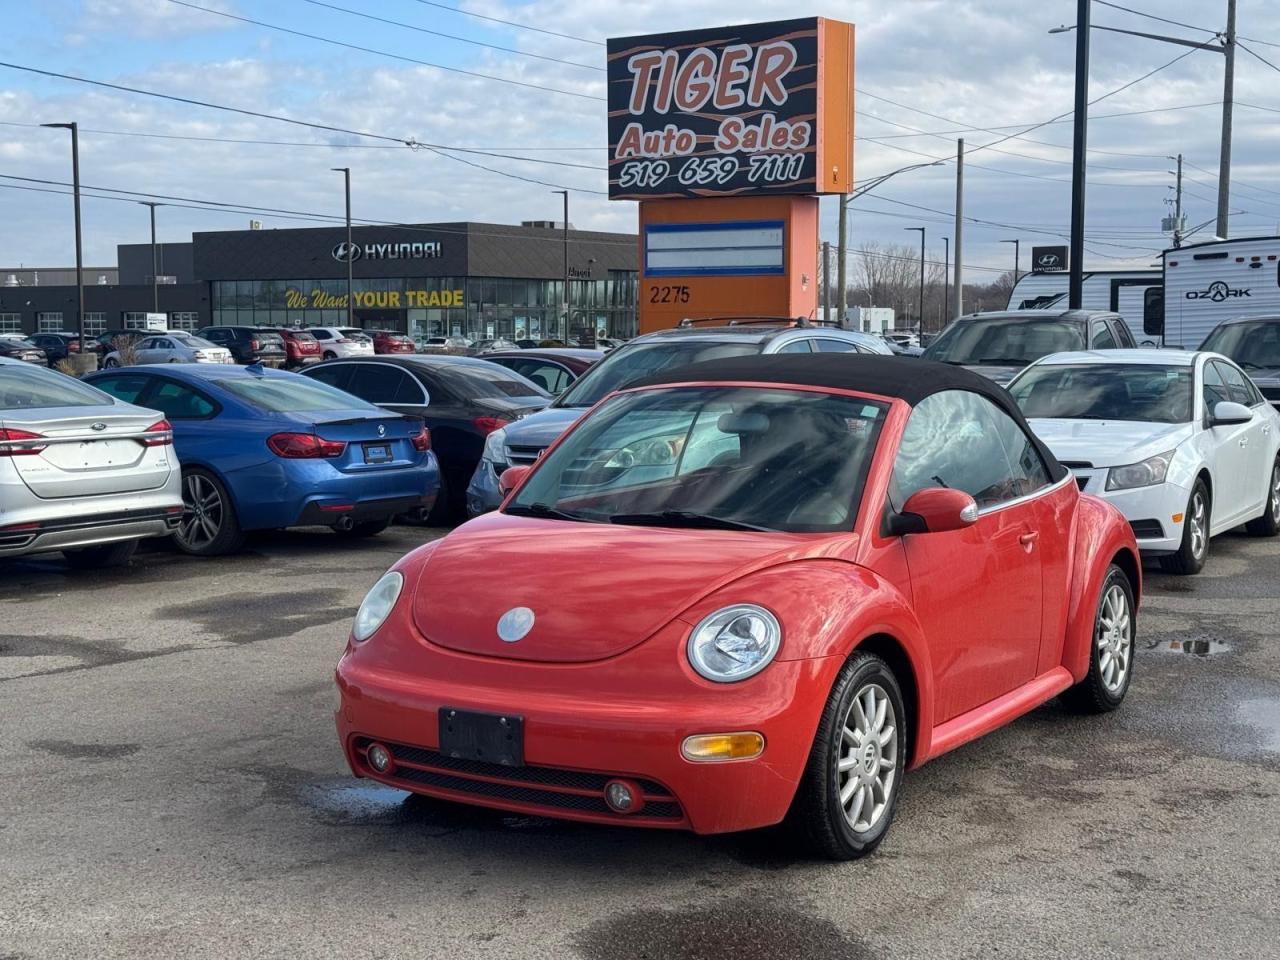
{"x": 377, "y": 453}
{"x": 486, "y": 737}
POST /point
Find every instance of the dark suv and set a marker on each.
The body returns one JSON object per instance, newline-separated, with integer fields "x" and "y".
{"x": 56, "y": 346}
{"x": 1254, "y": 344}
{"x": 249, "y": 344}
{"x": 998, "y": 345}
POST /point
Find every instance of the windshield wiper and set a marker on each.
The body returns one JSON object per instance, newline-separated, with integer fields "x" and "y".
{"x": 540, "y": 510}
{"x": 1004, "y": 360}
{"x": 683, "y": 518}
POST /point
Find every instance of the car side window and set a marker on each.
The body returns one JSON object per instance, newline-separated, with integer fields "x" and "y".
{"x": 123, "y": 387}
{"x": 550, "y": 377}
{"x": 1215, "y": 388}
{"x": 1237, "y": 383}
{"x": 835, "y": 346}
{"x": 962, "y": 440}
{"x": 1123, "y": 336}
{"x": 383, "y": 383}
{"x": 1102, "y": 338}
{"x": 334, "y": 374}
{"x": 177, "y": 401}
{"x": 797, "y": 346}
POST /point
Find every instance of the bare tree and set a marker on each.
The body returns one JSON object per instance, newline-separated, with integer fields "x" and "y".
{"x": 890, "y": 274}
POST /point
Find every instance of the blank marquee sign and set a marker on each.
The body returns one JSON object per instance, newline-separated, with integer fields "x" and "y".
{"x": 744, "y": 248}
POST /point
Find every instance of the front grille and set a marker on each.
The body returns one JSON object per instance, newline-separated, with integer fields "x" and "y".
{"x": 552, "y": 787}
{"x": 1147, "y": 529}
{"x": 1076, "y": 464}
{"x": 522, "y": 455}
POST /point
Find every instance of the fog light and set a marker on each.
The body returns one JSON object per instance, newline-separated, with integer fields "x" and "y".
{"x": 623, "y": 797}
{"x": 379, "y": 758}
{"x": 722, "y": 746}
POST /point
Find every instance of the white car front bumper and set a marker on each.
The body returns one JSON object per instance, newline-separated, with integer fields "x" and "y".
{"x": 1149, "y": 510}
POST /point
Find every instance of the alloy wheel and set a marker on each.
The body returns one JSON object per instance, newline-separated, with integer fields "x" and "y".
{"x": 1114, "y": 639}
{"x": 202, "y": 512}
{"x": 867, "y": 765}
{"x": 1199, "y": 526}
{"x": 1275, "y": 493}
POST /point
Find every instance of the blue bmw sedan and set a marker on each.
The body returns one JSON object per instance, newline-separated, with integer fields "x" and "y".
{"x": 264, "y": 449}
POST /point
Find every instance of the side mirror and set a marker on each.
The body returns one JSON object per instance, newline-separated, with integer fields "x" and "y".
{"x": 936, "y": 510}
{"x": 1227, "y": 413}
{"x": 511, "y": 478}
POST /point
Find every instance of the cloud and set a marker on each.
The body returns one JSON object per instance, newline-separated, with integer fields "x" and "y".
{"x": 149, "y": 19}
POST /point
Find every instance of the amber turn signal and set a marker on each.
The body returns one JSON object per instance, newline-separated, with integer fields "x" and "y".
{"x": 722, "y": 746}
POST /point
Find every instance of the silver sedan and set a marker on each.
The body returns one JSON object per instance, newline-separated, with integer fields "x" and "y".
{"x": 171, "y": 347}
{"x": 81, "y": 472}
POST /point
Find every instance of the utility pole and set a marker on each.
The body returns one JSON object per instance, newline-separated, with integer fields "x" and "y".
{"x": 826, "y": 279}
{"x": 920, "y": 302}
{"x": 1017, "y": 258}
{"x": 1228, "y": 94}
{"x": 75, "y": 190}
{"x": 346, "y": 184}
{"x": 155, "y": 267}
{"x": 564, "y": 297}
{"x": 1177, "y": 207}
{"x": 842, "y": 253}
{"x": 1080, "y": 123}
{"x": 946, "y": 282}
{"x": 958, "y": 282}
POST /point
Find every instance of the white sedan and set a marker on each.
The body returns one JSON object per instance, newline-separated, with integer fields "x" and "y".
{"x": 172, "y": 347}
{"x": 1182, "y": 443}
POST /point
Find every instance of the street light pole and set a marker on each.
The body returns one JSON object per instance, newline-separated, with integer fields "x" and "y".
{"x": 75, "y": 190}
{"x": 920, "y": 305}
{"x": 946, "y": 281}
{"x": 346, "y": 184}
{"x": 1017, "y": 247}
{"x": 564, "y": 295}
{"x": 1080, "y": 124}
{"x": 155, "y": 282}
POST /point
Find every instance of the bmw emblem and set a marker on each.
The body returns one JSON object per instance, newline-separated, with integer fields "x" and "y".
{"x": 382, "y": 431}
{"x": 515, "y": 624}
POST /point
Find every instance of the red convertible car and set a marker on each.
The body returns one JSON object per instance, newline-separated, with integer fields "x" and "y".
{"x": 748, "y": 590}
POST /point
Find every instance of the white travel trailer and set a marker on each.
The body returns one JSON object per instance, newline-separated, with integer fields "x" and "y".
{"x": 1207, "y": 283}
{"x": 1117, "y": 291}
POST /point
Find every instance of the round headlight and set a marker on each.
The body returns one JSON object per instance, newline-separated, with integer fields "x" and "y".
{"x": 377, "y": 605}
{"x": 734, "y": 643}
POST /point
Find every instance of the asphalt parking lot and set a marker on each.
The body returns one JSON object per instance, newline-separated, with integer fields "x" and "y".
{"x": 170, "y": 786}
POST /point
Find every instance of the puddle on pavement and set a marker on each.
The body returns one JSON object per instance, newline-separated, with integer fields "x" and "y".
{"x": 1195, "y": 647}
{"x": 355, "y": 802}
{"x": 1262, "y": 715}
{"x": 717, "y": 933}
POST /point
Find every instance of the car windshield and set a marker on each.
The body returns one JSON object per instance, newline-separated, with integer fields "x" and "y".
{"x": 1008, "y": 341}
{"x": 1254, "y": 345}
{"x": 291, "y": 394}
{"x": 1105, "y": 391}
{"x": 23, "y": 387}
{"x": 486, "y": 380}
{"x": 645, "y": 359}
{"x": 354, "y": 334}
{"x": 736, "y": 458}
{"x": 18, "y": 341}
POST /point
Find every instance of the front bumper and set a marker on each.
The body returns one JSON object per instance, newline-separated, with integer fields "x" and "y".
{"x": 483, "y": 494}
{"x": 1144, "y": 508}
{"x": 584, "y": 724}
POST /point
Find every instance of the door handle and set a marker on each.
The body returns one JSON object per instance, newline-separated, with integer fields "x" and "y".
{"x": 1244, "y": 441}
{"x": 1028, "y": 540}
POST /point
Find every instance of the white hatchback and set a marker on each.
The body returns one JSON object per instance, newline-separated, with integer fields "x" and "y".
{"x": 1182, "y": 443}
{"x": 342, "y": 342}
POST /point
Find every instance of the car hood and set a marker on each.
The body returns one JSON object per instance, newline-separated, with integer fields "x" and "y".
{"x": 1000, "y": 374}
{"x": 1108, "y": 443}
{"x": 542, "y": 428}
{"x": 595, "y": 589}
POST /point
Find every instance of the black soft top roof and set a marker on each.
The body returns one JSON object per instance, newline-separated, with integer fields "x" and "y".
{"x": 907, "y": 378}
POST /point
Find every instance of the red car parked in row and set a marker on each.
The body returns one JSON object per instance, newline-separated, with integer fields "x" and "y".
{"x": 388, "y": 341}
{"x": 300, "y": 347}
{"x": 744, "y": 590}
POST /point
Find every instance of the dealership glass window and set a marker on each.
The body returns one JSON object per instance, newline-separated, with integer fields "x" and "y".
{"x": 48, "y": 321}
{"x": 94, "y": 323}
{"x": 134, "y": 321}
{"x": 10, "y": 323}
{"x": 184, "y": 320}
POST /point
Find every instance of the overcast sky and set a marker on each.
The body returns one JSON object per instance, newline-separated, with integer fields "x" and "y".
{"x": 969, "y": 63}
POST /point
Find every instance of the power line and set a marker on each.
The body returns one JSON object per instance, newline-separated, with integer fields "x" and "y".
{"x": 1256, "y": 55}
{"x": 1152, "y": 16}
{"x": 451, "y": 36}
{"x": 510, "y": 23}
{"x": 410, "y": 142}
{"x": 384, "y": 53}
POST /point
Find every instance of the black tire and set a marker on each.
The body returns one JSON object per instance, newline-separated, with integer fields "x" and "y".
{"x": 102, "y": 557}
{"x": 365, "y": 528}
{"x": 1096, "y": 693}
{"x": 817, "y": 813}
{"x": 111, "y": 362}
{"x": 330, "y": 355}
{"x": 1268, "y": 525}
{"x": 221, "y": 534}
{"x": 1194, "y": 549}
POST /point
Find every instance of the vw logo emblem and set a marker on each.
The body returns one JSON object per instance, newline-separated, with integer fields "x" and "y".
{"x": 99, "y": 426}
{"x": 515, "y": 624}
{"x": 382, "y": 431}
{"x": 344, "y": 252}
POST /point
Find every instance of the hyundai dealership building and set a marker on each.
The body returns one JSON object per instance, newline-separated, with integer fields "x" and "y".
{"x": 476, "y": 280}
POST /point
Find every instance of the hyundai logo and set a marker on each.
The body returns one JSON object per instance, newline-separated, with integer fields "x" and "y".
{"x": 347, "y": 252}
{"x": 515, "y": 624}
{"x": 1048, "y": 260}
